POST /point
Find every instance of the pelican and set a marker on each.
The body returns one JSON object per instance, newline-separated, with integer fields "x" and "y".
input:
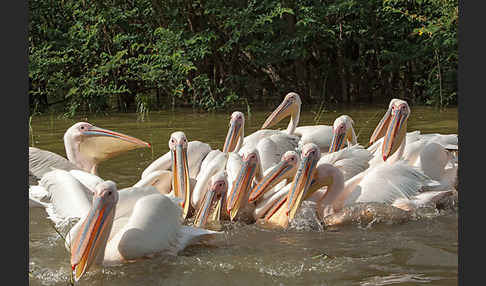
{"x": 86, "y": 146}
{"x": 184, "y": 159}
{"x": 290, "y": 106}
{"x": 428, "y": 152}
{"x": 108, "y": 235}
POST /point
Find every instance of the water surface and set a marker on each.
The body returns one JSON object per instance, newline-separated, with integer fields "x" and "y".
{"x": 422, "y": 251}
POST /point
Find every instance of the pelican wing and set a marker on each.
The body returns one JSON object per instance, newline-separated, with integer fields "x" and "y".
{"x": 269, "y": 153}
{"x": 351, "y": 160}
{"x": 321, "y": 135}
{"x": 153, "y": 227}
{"x": 422, "y": 199}
{"x": 285, "y": 142}
{"x": 442, "y": 139}
{"x": 127, "y": 199}
{"x": 207, "y": 161}
{"x": 161, "y": 179}
{"x": 161, "y": 163}
{"x": 279, "y": 142}
{"x": 87, "y": 179}
{"x": 69, "y": 198}
{"x": 42, "y": 161}
{"x": 233, "y": 166}
{"x": 252, "y": 140}
{"x": 387, "y": 182}
{"x": 196, "y": 152}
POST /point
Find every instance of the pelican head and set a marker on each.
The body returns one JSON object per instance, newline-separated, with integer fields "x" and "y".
{"x": 213, "y": 200}
{"x": 180, "y": 177}
{"x": 303, "y": 178}
{"x": 88, "y": 246}
{"x": 234, "y": 138}
{"x": 285, "y": 169}
{"x": 242, "y": 184}
{"x": 393, "y": 127}
{"x": 290, "y": 106}
{"x": 87, "y": 145}
{"x": 342, "y": 129}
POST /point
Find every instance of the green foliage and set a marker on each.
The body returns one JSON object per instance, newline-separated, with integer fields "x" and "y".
{"x": 143, "y": 55}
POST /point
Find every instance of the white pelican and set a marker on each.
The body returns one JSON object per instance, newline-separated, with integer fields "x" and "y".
{"x": 428, "y": 152}
{"x": 108, "y": 235}
{"x": 290, "y": 106}
{"x": 184, "y": 159}
{"x": 86, "y": 146}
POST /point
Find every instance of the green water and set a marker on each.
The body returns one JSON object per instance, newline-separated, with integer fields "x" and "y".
{"x": 419, "y": 251}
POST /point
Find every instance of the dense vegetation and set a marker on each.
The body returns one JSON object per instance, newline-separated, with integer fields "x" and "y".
{"x": 149, "y": 54}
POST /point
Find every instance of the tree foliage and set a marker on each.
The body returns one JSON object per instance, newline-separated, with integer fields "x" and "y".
{"x": 100, "y": 55}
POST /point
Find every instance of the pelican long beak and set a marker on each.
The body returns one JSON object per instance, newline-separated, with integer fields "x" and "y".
{"x": 102, "y": 144}
{"x": 279, "y": 172}
{"x": 300, "y": 185}
{"x": 240, "y": 188}
{"x": 283, "y": 110}
{"x": 381, "y": 127}
{"x": 395, "y": 134}
{"x": 180, "y": 178}
{"x": 91, "y": 240}
{"x": 210, "y": 209}
{"x": 337, "y": 141}
{"x": 277, "y": 215}
{"x": 232, "y": 137}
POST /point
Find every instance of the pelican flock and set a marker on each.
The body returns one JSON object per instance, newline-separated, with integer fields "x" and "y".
{"x": 266, "y": 178}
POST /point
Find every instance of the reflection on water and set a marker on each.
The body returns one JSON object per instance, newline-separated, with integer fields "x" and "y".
{"x": 411, "y": 253}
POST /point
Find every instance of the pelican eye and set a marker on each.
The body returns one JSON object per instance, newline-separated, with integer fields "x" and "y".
{"x": 109, "y": 193}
